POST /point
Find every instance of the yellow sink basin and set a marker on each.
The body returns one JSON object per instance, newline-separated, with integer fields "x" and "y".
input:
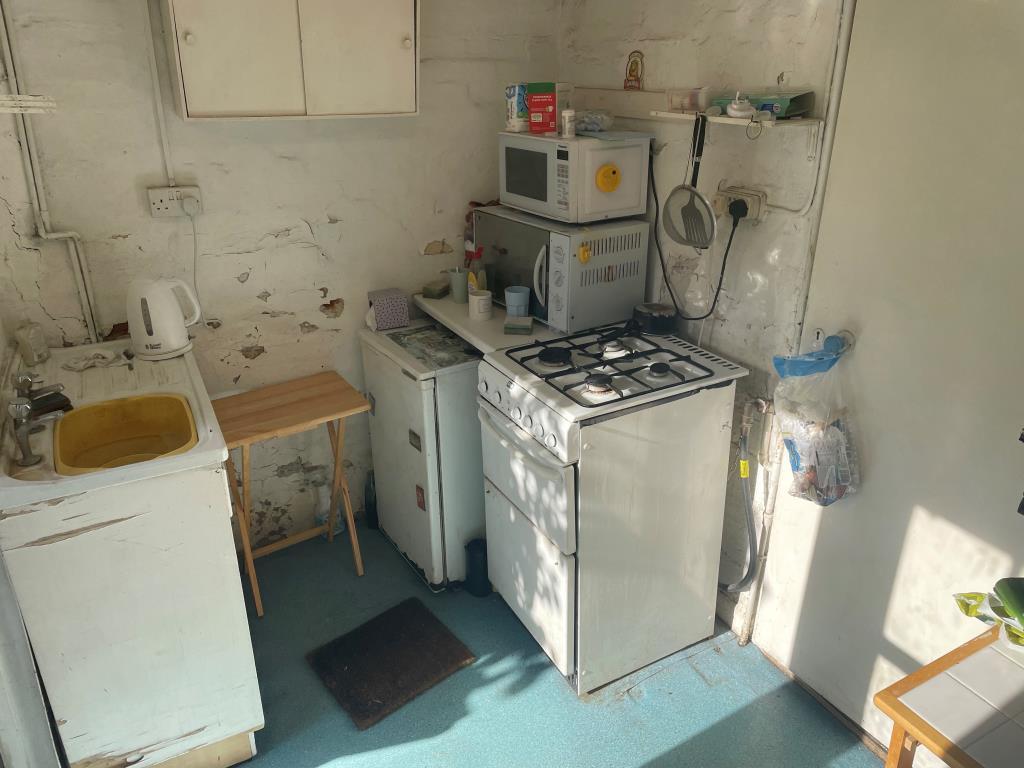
{"x": 124, "y": 431}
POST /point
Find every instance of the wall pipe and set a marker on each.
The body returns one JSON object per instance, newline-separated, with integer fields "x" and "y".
{"x": 37, "y": 190}
{"x": 831, "y": 113}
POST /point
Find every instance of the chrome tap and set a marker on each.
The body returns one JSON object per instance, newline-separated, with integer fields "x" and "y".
{"x": 25, "y": 385}
{"x": 25, "y": 423}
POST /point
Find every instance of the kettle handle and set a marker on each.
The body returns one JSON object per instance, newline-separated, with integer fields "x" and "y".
{"x": 186, "y": 289}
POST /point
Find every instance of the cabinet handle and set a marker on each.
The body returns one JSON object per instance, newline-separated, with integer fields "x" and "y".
{"x": 407, "y": 42}
{"x": 189, "y": 38}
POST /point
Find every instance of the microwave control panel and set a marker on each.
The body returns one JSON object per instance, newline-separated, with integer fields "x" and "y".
{"x": 562, "y": 177}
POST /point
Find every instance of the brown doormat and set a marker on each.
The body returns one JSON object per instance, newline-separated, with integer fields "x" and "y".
{"x": 388, "y": 661}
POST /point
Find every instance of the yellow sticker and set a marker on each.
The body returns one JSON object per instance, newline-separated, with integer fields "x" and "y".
{"x": 583, "y": 254}
{"x": 607, "y": 177}
{"x": 744, "y": 468}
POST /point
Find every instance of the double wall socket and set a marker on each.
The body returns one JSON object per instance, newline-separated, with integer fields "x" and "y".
{"x": 167, "y": 201}
{"x": 757, "y": 201}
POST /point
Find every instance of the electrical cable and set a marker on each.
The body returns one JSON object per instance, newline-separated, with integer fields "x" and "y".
{"x": 737, "y": 208}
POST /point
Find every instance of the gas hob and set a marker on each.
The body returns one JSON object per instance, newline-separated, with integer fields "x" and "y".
{"x": 593, "y": 374}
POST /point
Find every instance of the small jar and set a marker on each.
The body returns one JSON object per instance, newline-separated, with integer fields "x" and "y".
{"x": 568, "y": 123}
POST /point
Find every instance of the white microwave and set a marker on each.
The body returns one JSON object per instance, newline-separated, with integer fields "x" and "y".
{"x": 576, "y": 180}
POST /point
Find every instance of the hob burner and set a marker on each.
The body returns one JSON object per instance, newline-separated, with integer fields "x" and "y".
{"x": 613, "y": 347}
{"x": 659, "y": 370}
{"x": 555, "y": 357}
{"x": 598, "y": 383}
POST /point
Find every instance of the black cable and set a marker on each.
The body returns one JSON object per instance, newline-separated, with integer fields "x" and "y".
{"x": 738, "y": 209}
{"x": 721, "y": 275}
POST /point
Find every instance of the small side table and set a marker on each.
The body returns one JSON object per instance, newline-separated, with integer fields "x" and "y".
{"x": 966, "y": 708}
{"x": 277, "y": 411}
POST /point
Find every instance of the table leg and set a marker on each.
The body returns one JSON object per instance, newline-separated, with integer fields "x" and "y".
{"x": 901, "y": 749}
{"x": 340, "y": 489}
{"x": 244, "y": 525}
{"x": 339, "y": 471}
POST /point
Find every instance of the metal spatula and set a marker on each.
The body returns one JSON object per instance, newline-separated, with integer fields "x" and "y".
{"x": 688, "y": 216}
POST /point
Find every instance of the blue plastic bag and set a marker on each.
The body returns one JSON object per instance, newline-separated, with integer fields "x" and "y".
{"x": 816, "y": 425}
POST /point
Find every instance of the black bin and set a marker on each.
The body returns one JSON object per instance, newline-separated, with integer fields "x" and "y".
{"x": 477, "y": 583}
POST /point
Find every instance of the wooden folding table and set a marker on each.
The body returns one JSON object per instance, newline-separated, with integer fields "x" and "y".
{"x": 277, "y": 411}
{"x": 966, "y": 707}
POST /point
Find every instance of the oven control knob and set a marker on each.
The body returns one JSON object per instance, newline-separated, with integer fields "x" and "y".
{"x": 556, "y": 302}
{"x": 482, "y": 387}
{"x": 528, "y": 420}
{"x": 497, "y": 397}
{"x": 559, "y": 279}
{"x": 517, "y": 413}
{"x": 559, "y": 254}
{"x": 538, "y": 431}
{"x": 550, "y": 442}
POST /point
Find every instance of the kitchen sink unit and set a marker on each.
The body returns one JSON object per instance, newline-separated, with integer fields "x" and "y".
{"x": 120, "y": 551}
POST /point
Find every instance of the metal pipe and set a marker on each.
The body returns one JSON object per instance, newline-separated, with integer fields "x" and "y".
{"x": 746, "y": 631}
{"x": 37, "y": 190}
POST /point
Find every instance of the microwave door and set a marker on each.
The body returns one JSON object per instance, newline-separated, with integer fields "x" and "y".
{"x": 514, "y": 254}
{"x": 526, "y": 173}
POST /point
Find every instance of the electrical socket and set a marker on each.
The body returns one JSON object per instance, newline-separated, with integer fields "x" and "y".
{"x": 756, "y": 200}
{"x": 166, "y": 201}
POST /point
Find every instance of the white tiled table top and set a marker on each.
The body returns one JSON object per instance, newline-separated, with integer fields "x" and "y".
{"x": 979, "y": 705}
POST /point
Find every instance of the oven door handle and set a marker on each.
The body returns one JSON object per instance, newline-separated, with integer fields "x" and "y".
{"x": 511, "y": 441}
{"x": 538, "y": 289}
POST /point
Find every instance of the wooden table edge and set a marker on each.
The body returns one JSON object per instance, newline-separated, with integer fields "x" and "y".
{"x": 307, "y": 426}
{"x": 888, "y": 701}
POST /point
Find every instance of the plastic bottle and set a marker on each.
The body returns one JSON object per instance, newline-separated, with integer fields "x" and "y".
{"x": 31, "y": 343}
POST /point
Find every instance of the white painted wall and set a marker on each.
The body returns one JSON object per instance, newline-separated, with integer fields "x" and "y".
{"x": 724, "y": 44}
{"x": 297, "y": 213}
{"x": 919, "y": 255}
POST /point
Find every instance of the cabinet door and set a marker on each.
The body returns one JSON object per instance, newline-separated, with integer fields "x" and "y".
{"x": 238, "y": 60}
{"x": 359, "y": 57}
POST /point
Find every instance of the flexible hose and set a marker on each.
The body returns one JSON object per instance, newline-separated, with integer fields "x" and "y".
{"x": 748, "y": 578}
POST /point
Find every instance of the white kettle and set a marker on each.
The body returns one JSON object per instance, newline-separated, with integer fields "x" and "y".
{"x": 155, "y": 318}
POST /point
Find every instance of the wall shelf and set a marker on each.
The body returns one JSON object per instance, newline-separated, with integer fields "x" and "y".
{"x": 689, "y": 117}
{"x": 16, "y": 103}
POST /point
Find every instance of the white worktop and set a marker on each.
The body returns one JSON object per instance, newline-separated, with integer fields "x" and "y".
{"x": 485, "y": 335}
{"x": 178, "y": 375}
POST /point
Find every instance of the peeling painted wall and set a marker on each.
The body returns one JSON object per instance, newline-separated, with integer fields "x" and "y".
{"x": 301, "y": 218}
{"x": 723, "y": 44}
{"x": 720, "y": 43}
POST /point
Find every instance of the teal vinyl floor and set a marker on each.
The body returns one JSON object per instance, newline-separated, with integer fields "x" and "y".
{"x": 714, "y": 704}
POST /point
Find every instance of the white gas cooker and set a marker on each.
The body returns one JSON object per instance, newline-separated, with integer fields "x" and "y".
{"x": 605, "y": 455}
{"x": 548, "y": 388}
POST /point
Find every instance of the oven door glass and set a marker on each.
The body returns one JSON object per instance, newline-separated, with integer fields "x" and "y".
{"x": 526, "y": 173}
{"x": 514, "y": 253}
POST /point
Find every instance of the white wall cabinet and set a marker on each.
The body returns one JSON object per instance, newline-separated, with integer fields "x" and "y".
{"x": 293, "y": 58}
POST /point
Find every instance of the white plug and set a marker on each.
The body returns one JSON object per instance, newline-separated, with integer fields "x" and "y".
{"x": 191, "y": 206}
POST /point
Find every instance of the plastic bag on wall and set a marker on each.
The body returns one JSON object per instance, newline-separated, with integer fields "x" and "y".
{"x": 816, "y": 425}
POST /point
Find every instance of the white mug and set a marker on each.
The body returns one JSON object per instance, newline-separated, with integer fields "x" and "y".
{"x": 479, "y": 305}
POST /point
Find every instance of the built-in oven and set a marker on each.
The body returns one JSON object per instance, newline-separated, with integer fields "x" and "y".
{"x": 579, "y": 276}
{"x": 530, "y": 509}
{"x": 576, "y": 180}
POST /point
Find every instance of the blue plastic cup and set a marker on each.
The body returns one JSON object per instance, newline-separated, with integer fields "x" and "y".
{"x": 517, "y": 301}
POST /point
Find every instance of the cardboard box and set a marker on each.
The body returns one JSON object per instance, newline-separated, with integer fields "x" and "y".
{"x": 545, "y": 101}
